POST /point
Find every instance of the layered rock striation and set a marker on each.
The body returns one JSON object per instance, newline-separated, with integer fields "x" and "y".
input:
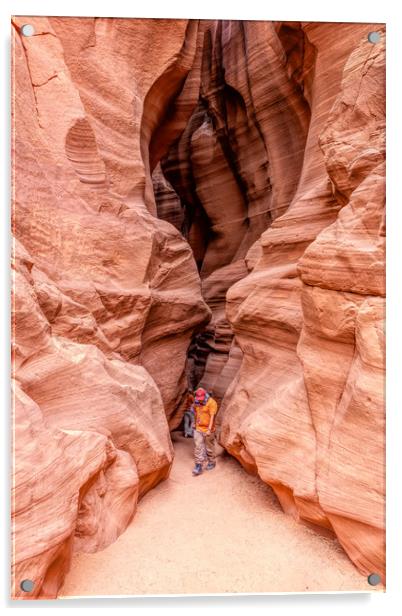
{"x": 203, "y": 202}
{"x": 280, "y": 178}
{"x": 306, "y": 410}
{"x": 105, "y": 294}
{"x": 229, "y": 163}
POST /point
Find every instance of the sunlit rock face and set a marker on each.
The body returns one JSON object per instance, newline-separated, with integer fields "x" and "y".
{"x": 106, "y": 295}
{"x": 306, "y": 410}
{"x": 280, "y": 179}
{"x": 195, "y": 200}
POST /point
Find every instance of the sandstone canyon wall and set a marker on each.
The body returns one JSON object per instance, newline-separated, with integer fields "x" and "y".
{"x": 306, "y": 410}
{"x": 201, "y": 188}
{"x": 105, "y": 294}
{"x": 304, "y": 374}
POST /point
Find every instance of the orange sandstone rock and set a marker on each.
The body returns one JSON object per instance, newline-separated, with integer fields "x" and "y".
{"x": 262, "y": 145}
{"x": 105, "y": 294}
{"x": 307, "y": 409}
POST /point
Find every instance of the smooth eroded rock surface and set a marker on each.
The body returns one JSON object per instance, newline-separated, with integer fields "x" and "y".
{"x": 307, "y": 408}
{"x": 195, "y": 201}
{"x": 105, "y": 294}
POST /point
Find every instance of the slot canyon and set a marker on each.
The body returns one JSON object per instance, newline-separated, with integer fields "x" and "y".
{"x": 195, "y": 202}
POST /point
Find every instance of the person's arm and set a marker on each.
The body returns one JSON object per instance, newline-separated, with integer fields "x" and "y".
{"x": 213, "y": 412}
{"x": 211, "y": 423}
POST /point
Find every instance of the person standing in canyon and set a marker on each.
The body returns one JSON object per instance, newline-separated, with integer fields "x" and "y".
{"x": 204, "y": 434}
{"x": 189, "y": 416}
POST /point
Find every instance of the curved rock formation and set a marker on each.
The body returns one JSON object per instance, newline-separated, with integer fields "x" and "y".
{"x": 307, "y": 409}
{"x": 195, "y": 201}
{"x": 105, "y": 293}
{"x": 302, "y": 154}
{"x": 228, "y": 165}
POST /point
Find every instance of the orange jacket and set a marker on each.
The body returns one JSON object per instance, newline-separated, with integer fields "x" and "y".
{"x": 203, "y": 414}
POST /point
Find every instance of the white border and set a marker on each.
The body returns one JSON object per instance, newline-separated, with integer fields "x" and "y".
{"x": 292, "y": 10}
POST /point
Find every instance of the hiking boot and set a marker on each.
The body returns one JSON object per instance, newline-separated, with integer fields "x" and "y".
{"x": 210, "y": 466}
{"x": 197, "y": 470}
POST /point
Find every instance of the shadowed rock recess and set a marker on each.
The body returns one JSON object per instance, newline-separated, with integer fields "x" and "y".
{"x": 195, "y": 201}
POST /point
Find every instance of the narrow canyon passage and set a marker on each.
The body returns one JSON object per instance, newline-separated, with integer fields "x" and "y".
{"x": 221, "y": 532}
{"x": 197, "y": 203}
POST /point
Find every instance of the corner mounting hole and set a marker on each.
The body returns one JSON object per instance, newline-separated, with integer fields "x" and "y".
{"x": 27, "y": 30}
{"x": 374, "y": 579}
{"x": 374, "y": 37}
{"x": 27, "y": 585}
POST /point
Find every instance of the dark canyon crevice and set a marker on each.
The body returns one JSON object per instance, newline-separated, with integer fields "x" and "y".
{"x": 216, "y": 183}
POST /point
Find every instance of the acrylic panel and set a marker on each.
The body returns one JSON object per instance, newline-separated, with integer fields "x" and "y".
{"x": 198, "y": 307}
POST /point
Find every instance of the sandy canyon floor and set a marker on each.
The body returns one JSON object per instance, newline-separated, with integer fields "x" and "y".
{"x": 223, "y": 531}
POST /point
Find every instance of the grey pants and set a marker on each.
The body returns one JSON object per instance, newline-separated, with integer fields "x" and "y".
{"x": 188, "y": 423}
{"x": 204, "y": 447}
